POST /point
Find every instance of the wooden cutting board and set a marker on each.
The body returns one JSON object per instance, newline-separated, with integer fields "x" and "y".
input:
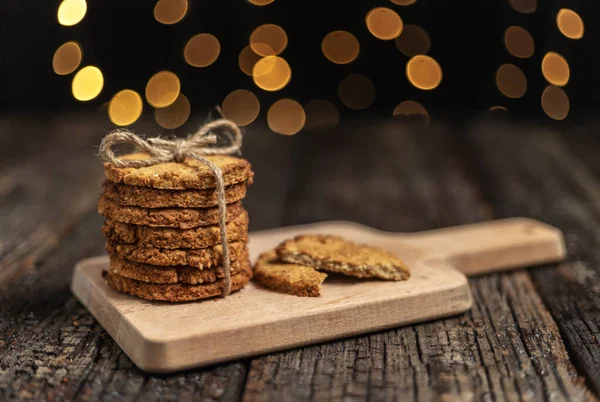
{"x": 165, "y": 337}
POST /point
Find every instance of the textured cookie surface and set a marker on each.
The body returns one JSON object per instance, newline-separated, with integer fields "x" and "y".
{"x": 175, "y": 292}
{"x": 200, "y": 258}
{"x": 299, "y": 280}
{"x": 149, "y": 197}
{"x": 180, "y": 176}
{"x": 183, "y": 274}
{"x": 172, "y": 238}
{"x": 335, "y": 254}
{"x": 183, "y": 218}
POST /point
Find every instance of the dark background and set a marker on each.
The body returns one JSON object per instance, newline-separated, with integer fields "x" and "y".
{"x": 129, "y": 45}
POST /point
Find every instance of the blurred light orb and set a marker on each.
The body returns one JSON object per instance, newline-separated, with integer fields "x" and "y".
{"x": 286, "y": 116}
{"x": 87, "y": 83}
{"x": 247, "y": 59}
{"x": 555, "y": 69}
{"x": 271, "y": 73}
{"x": 71, "y": 12}
{"x": 511, "y": 81}
{"x": 340, "y": 47}
{"x": 498, "y": 108}
{"x": 66, "y": 58}
{"x": 383, "y": 23}
{"x": 411, "y": 108}
{"x": 413, "y": 41}
{"x": 524, "y": 6}
{"x": 519, "y": 42}
{"x": 555, "y": 103}
{"x": 424, "y": 72}
{"x": 570, "y": 24}
{"x": 356, "y": 91}
{"x": 162, "y": 89}
{"x": 403, "y": 2}
{"x": 202, "y": 50}
{"x": 125, "y": 107}
{"x": 241, "y": 106}
{"x": 268, "y": 40}
{"x": 260, "y": 2}
{"x": 175, "y": 115}
{"x": 321, "y": 115}
{"x": 170, "y": 11}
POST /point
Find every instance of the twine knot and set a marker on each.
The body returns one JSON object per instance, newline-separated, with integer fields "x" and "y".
{"x": 217, "y": 137}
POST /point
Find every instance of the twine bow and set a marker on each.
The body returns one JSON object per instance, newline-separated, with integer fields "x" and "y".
{"x": 196, "y": 146}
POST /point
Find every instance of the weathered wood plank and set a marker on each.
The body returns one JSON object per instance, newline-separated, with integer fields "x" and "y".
{"x": 45, "y": 190}
{"x": 555, "y": 178}
{"x": 51, "y": 348}
{"x": 507, "y": 348}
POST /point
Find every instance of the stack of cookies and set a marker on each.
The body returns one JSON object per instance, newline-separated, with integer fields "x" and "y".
{"x": 162, "y": 228}
{"x": 297, "y": 266}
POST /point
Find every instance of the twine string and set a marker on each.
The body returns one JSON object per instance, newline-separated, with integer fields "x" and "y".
{"x": 196, "y": 146}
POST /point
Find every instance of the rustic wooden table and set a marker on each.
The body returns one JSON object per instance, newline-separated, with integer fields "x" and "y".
{"x": 532, "y": 334}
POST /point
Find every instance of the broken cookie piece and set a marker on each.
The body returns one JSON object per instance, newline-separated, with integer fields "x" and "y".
{"x": 294, "y": 279}
{"x": 335, "y": 254}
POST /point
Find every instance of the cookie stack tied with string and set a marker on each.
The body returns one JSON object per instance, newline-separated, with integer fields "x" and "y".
{"x": 175, "y": 227}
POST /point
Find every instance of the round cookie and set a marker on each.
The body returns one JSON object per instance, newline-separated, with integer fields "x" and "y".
{"x": 183, "y": 274}
{"x": 148, "y": 197}
{"x": 183, "y": 218}
{"x": 180, "y": 176}
{"x": 171, "y": 238}
{"x": 175, "y": 292}
{"x": 199, "y": 258}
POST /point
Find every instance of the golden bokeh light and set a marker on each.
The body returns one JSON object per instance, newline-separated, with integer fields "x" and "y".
{"x": 403, "y": 2}
{"x": 162, "y": 89}
{"x": 511, "y": 81}
{"x": 260, "y": 2}
{"x": 555, "y": 69}
{"x": 125, "y": 107}
{"x": 271, "y": 73}
{"x": 268, "y": 40}
{"x": 286, "y": 116}
{"x": 424, "y": 72}
{"x": 202, "y": 50}
{"x": 519, "y": 42}
{"x": 524, "y": 6}
{"x": 384, "y": 23}
{"x": 174, "y": 115}
{"x": 340, "y": 47}
{"x": 413, "y": 41}
{"x": 247, "y": 59}
{"x": 498, "y": 108}
{"x": 66, "y": 58}
{"x": 241, "y": 106}
{"x": 411, "y": 108}
{"x": 170, "y": 11}
{"x": 356, "y": 91}
{"x": 570, "y": 24}
{"x": 87, "y": 83}
{"x": 71, "y": 12}
{"x": 321, "y": 114}
{"x": 555, "y": 103}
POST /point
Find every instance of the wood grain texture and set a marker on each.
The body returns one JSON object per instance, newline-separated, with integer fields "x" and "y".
{"x": 167, "y": 337}
{"x": 508, "y": 347}
{"x": 539, "y": 173}
{"x": 45, "y": 192}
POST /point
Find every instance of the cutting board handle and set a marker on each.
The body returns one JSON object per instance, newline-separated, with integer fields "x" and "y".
{"x": 492, "y": 246}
